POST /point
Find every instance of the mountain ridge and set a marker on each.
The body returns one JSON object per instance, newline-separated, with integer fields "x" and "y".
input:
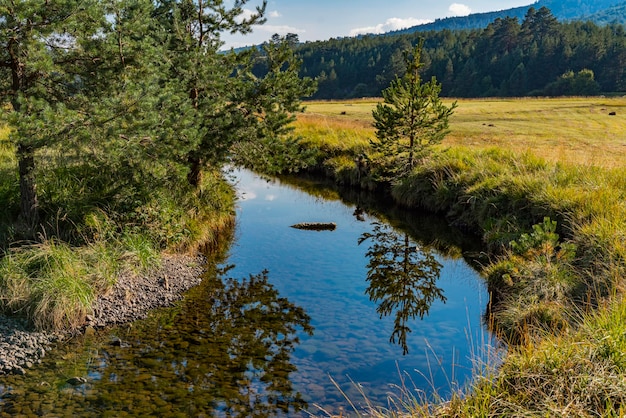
{"x": 598, "y": 11}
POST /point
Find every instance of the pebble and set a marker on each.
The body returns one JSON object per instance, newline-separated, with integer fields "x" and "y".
{"x": 21, "y": 346}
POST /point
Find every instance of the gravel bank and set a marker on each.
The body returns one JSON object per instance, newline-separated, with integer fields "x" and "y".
{"x": 131, "y": 299}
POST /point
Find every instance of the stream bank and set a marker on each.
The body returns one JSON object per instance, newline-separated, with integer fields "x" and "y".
{"x": 131, "y": 299}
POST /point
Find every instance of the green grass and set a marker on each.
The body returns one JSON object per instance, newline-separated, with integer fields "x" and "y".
{"x": 85, "y": 242}
{"x": 8, "y": 186}
{"x": 558, "y": 299}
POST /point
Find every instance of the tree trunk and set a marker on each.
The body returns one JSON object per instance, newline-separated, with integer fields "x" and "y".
{"x": 194, "y": 177}
{"x": 29, "y": 206}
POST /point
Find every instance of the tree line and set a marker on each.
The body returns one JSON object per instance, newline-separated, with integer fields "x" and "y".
{"x": 537, "y": 56}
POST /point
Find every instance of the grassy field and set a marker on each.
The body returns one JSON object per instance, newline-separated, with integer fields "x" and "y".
{"x": 568, "y": 130}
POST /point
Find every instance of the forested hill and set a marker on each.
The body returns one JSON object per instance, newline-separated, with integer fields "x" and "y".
{"x": 615, "y": 14}
{"x": 598, "y": 11}
{"x": 534, "y": 55}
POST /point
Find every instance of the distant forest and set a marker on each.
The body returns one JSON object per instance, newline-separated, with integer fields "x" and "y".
{"x": 537, "y": 56}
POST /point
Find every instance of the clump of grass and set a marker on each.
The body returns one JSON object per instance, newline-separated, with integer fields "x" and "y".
{"x": 49, "y": 283}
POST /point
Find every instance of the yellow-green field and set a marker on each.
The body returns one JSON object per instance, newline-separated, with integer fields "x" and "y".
{"x": 570, "y": 130}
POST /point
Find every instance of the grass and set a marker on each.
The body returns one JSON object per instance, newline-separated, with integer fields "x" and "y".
{"x": 85, "y": 243}
{"x": 557, "y": 295}
{"x": 565, "y": 130}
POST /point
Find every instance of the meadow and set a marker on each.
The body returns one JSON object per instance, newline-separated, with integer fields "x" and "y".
{"x": 566, "y": 130}
{"x": 543, "y": 181}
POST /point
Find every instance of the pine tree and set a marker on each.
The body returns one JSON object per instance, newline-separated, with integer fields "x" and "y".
{"x": 203, "y": 81}
{"x": 410, "y": 121}
{"x": 271, "y": 95}
{"x": 40, "y": 47}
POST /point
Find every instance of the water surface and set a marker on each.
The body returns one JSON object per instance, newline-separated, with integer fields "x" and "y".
{"x": 325, "y": 272}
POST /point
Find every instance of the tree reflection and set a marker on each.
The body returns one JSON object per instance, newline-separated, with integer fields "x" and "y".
{"x": 224, "y": 351}
{"x": 402, "y": 279}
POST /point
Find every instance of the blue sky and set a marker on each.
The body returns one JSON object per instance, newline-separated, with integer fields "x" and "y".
{"x": 316, "y": 20}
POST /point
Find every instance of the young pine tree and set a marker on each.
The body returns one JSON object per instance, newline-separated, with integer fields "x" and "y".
{"x": 410, "y": 121}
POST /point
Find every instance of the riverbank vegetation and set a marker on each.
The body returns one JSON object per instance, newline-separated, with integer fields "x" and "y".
{"x": 543, "y": 182}
{"x": 117, "y": 118}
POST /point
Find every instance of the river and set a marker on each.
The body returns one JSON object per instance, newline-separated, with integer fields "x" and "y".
{"x": 384, "y": 305}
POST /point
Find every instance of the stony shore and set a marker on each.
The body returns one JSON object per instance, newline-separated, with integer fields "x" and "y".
{"x": 131, "y": 299}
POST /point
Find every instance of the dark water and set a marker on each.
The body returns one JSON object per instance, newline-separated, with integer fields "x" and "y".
{"x": 301, "y": 317}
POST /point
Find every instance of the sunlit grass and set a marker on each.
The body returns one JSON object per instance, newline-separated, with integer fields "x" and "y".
{"x": 570, "y": 130}
{"x": 333, "y": 133}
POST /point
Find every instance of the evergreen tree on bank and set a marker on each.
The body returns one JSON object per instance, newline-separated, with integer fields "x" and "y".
{"x": 409, "y": 122}
{"x": 131, "y": 97}
{"x": 114, "y": 111}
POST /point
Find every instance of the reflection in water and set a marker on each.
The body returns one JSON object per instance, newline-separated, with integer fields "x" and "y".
{"x": 402, "y": 279}
{"x": 225, "y": 351}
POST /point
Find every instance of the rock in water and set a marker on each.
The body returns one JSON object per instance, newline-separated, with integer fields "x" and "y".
{"x": 316, "y": 226}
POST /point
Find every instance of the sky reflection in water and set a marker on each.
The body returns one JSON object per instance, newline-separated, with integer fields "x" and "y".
{"x": 226, "y": 349}
{"x": 326, "y": 273}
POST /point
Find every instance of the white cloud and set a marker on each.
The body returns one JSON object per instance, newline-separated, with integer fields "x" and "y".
{"x": 394, "y": 23}
{"x": 246, "y": 195}
{"x": 457, "y": 9}
{"x": 246, "y": 14}
{"x": 280, "y": 29}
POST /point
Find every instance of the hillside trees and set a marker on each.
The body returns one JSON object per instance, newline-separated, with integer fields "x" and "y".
{"x": 509, "y": 57}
